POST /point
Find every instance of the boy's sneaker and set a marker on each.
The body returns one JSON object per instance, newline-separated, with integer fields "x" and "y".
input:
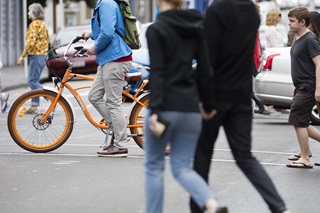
{"x": 32, "y": 111}
{"x": 6, "y": 108}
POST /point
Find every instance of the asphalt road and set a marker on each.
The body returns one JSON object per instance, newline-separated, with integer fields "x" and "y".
{"x": 73, "y": 179}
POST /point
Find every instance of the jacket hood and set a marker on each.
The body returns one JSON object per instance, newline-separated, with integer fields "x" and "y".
{"x": 187, "y": 23}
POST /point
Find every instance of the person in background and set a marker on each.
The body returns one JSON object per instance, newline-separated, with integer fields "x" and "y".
{"x": 314, "y": 27}
{"x": 114, "y": 59}
{"x": 257, "y": 60}
{"x": 176, "y": 91}
{"x": 273, "y": 35}
{"x": 3, "y": 96}
{"x": 313, "y": 133}
{"x": 274, "y": 38}
{"x": 231, "y": 27}
{"x": 37, "y": 43}
{"x": 291, "y": 35}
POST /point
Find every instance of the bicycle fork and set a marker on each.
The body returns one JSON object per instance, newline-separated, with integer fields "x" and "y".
{"x": 52, "y": 106}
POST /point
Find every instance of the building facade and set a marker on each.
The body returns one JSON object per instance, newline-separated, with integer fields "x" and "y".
{"x": 11, "y": 31}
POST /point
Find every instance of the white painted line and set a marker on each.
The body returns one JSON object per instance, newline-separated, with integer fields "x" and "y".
{"x": 129, "y": 156}
{"x": 136, "y": 146}
{"x": 80, "y": 145}
{"x": 257, "y": 151}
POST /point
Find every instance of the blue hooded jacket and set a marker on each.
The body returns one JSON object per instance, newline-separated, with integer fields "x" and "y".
{"x": 108, "y": 44}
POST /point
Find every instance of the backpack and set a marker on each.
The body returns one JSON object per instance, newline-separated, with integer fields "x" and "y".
{"x": 132, "y": 37}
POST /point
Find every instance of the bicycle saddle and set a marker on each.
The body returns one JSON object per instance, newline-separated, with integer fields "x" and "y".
{"x": 132, "y": 78}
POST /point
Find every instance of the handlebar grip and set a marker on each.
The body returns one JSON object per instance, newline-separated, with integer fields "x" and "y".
{"x": 83, "y": 50}
{"x": 78, "y": 38}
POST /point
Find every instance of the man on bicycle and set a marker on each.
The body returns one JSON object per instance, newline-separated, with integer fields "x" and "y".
{"x": 114, "y": 59}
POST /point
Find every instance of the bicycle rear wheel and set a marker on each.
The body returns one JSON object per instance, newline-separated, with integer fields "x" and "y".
{"x": 33, "y": 134}
{"x": 137, "y": 117}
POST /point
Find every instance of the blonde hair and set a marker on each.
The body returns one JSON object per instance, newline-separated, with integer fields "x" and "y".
{"x": 272, "y": 16}
{"x": 175, "y": 3}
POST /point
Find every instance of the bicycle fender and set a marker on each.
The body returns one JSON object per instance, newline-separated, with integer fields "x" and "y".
{"x": 134, "y": 103}
{"x": 63, "y": 96}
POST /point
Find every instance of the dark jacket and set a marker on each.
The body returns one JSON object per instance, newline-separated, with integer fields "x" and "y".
{"x": 174, "y": 41}
{"x": 231, "y": 27}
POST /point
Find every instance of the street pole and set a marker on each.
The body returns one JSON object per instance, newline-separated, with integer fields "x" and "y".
{"x": 61, "y": 14}
{"x": 25, "y": 23}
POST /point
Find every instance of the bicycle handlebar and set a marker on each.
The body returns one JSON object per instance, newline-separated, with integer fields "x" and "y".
{"x": 79, "y": 51}
{"x": 75, "y": 40}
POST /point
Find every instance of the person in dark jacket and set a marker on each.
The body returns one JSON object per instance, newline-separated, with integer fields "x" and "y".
{"x": 175, "y": 40}
{"x": 230, "y": 28}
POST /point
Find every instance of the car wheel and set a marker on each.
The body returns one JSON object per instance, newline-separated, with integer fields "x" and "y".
{"x": 314, "y": 117}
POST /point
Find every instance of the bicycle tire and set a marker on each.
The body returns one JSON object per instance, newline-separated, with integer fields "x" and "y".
{"x": 137, "y": 117}
{"x": 35, "y": 136}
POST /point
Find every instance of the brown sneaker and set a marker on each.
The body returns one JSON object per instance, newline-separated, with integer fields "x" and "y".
{"x": 113, "y": 151}
{"x": 32, "y": 111}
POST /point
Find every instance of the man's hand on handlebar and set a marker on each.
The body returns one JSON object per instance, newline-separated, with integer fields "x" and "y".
{"x": 91, "y": 51}
{"x": 86, "y": 35}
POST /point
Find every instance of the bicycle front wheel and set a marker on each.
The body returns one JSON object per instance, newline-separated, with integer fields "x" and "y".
{"x": 137, "y": 118}
{"x": 28, "y": 129}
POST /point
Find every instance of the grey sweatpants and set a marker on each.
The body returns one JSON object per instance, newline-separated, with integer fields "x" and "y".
{"x": 109, "y": 81}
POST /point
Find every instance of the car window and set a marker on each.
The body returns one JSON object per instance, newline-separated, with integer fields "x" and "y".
{"x": 142, "y": 35}
{"x": 65, "y": 35}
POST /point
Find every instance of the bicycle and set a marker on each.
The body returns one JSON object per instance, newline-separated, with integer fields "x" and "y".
{"x": 52, "y": 125}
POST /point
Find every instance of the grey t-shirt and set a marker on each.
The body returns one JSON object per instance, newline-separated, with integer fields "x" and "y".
{"x": 303, "y": 70}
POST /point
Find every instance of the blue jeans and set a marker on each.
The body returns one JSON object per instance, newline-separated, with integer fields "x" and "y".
{"x": 36, "y": 65}
{"x": 182, "y": 135}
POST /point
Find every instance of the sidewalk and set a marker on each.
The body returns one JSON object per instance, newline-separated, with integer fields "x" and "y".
{"x": 13, "y": 77}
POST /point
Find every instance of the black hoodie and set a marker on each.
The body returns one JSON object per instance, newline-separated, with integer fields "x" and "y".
{"x": 231, "y": 27}
{"x": 175, "y": 41}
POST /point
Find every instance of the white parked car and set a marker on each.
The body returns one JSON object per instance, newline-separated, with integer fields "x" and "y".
{"x": 141, "y": 55}
{"x": 274, "y": 84}
{"x": 304, "y": 3}
{"x": 286, "y": 4}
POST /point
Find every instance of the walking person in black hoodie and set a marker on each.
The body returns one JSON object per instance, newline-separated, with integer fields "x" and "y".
{"x": 230, "y": 28}
{"x": 174, "y": 41}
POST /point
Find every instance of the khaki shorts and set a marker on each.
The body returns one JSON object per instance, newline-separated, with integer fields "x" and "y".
{"x": 302, "y": 104}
